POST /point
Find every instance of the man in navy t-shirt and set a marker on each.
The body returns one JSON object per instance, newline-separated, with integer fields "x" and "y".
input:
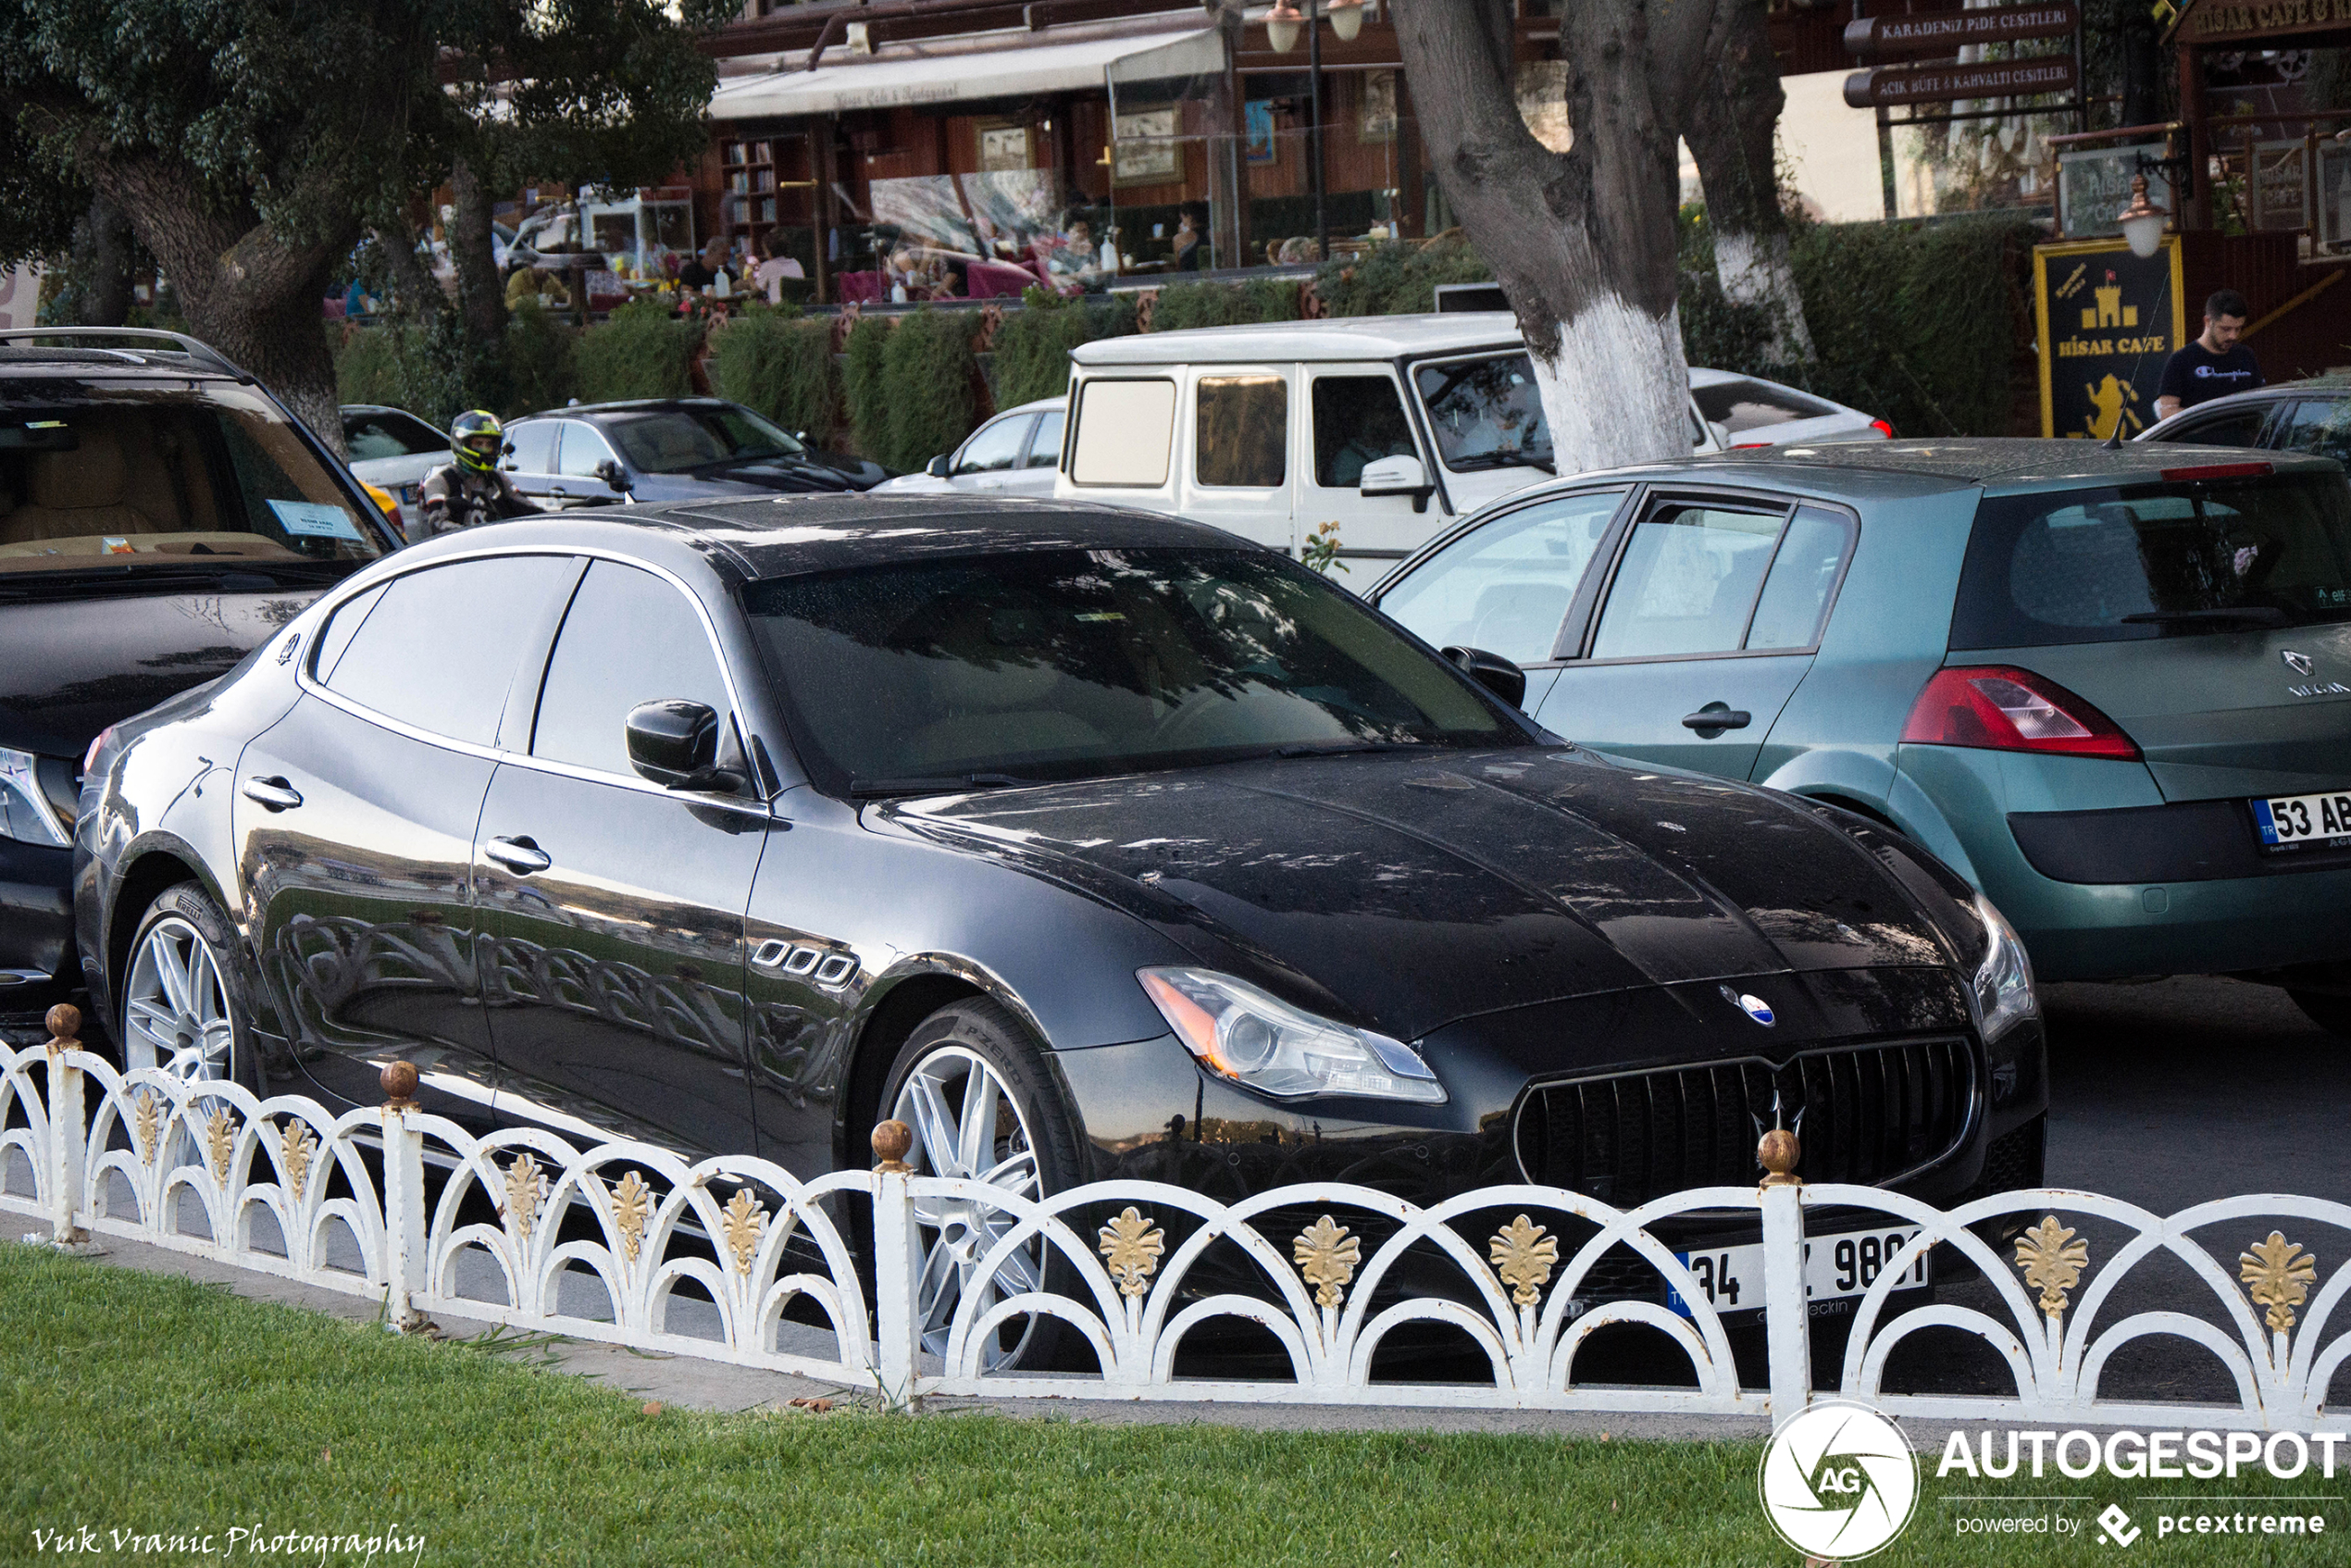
{"x": 2213, "y": 366}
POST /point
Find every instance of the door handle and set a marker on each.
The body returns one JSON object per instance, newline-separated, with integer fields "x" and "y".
{"x": 518, "y": 855}
{"x": 272, "y": 795}
{"x": 1715, "y": 717}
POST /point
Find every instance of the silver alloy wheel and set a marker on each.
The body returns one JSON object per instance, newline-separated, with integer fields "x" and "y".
{"x": 176, "y": 1005}
{"x": 967, "y": 1122}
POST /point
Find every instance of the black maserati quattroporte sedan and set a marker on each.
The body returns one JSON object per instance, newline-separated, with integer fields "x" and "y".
{"x": 1085, "y": 842}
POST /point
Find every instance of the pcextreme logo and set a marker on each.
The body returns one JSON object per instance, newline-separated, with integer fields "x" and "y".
{"x": 1839, "y": 1481}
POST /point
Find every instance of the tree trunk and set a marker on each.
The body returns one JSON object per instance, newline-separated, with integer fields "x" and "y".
{"x": 481, "y": 302}
{"x": 416, "y": 294}
{"x": 1733, "y": 135}
{"x": 102, "y": 260}
{"x": 248, "y": 292}
{"x": 1583, "y": 241}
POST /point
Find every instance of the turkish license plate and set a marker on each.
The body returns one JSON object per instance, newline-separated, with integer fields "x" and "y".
{"x": 1730, "y": 1278}
{"x": 2293, "y": 822}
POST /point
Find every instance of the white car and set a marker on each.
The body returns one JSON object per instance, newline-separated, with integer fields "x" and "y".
{"x": 393, "y": 450}
{"x": 1015, "y": 454}
{"x": 1389, "y": 427}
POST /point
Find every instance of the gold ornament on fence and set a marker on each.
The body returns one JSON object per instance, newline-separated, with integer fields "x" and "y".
{"x": 296, "y": 1144}
{"x": 632, "y": 1202}
{"x": 146, "y": 1122}
{"x": 526, "y": 1185}
{"x": 2052, "y": 1262}
{"x": 1132, "y": 1245}
{"x": 1524, "y": 1261}
{"x": 1327, "y": 1255}
{"x": 219, "y": 1140}
{"x": 744, "y": 1217}
{"x": 2280, "y": 1280}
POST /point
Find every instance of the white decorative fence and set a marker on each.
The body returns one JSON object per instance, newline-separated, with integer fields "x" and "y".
{"x": 395, "y": 1204}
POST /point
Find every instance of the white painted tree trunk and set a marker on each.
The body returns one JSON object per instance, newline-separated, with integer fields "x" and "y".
{"x": 1618, "y": 390}
{"x": 1755, "y": 270}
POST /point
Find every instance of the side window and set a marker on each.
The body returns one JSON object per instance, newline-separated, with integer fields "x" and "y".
{"x": 1242, "y": 431}
{"x": 1803, "y": 575}
{"x": 995, "y": 448}
{"x": 441, "y": 646}
{"x": 2321, "y": 428}
{"x": 1045, "y": 451}
{"x": 1507, "y": 586}
{"x": 534, "y": 445}
{"x": 336, "y": 635}
{"x": 583, "y": 450}
{"x": 628, "y": 638}
{"x": 1125, "y": 429}
{"x": 1686, "y": 582}
{"x": 2236, "y": 426}
{"x": 1358, "y": 420}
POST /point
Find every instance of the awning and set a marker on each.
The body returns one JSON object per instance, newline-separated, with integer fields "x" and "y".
{"x": 953, "y": 78}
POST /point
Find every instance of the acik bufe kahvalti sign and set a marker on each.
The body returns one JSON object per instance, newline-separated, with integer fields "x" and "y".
{"x": 2108, "y": 321}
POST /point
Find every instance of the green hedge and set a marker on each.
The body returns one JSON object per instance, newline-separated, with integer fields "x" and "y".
{"x": 1224, "y": 304}
{"x": 862, "y": 399}
{"x": 645, "y": 349}
{"x": 1920, "y": 323}
{"x": 926, "y": 374}
{"x": 1031, "y": 359}
{"x": 777, "y": 362}
{"x": 1398, "y": 280}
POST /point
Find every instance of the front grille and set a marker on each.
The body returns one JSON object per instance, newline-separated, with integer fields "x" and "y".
{"x": 1862, "y": 1113}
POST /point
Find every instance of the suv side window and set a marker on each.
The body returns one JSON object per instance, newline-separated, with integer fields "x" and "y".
{"x": 1357, "y": 421}
{"x": 583, "y": 450}
{"x": 534, "y": 444}
{"x": 440, "y": 647}
{"x": 2232, "y": 426}
{"x": 1242, "y": 434}
{"x": 1506, "y": 586}
{"x": 628, "y": 638}
{"x": 1045, "y": 451}
{"x": 1126, "y": 429}
{"x": 1688, "y": 583}
{"x": 995, "y": 447}
{"x": 2319, "y": 426}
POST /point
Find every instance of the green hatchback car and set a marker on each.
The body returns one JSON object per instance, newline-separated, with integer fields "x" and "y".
{"x": 2110, "y": 687}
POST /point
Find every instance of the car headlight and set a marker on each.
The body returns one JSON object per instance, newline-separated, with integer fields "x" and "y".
{"x": 1263, "y": 1042}
{"x": 2002, "y": 995}
{"x": 24, "y": 814}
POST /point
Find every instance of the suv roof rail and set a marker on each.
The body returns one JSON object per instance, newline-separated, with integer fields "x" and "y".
{"x": 202, "y": 353}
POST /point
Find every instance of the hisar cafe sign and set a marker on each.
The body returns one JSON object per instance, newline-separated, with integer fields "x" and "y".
{"x": 2108, "y": 320}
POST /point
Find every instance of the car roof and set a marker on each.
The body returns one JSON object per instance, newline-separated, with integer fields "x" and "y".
{"x": 2332, "y": 383}
{"x": 124, "y": 363}
{"x": 791, "y": 534}
{"x": 1860, "y": 468}
{"x": 1353, "y": 337}
{"x": 631, "y": 406}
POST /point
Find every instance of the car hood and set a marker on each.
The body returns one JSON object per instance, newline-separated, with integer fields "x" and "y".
{"x": 70, "y": 667}
{"x": 1406, "y": 891}
{"x": 817, "y": 471}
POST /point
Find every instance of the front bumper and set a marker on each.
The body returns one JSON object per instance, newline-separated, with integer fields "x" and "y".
{"x": 36, "y": 924}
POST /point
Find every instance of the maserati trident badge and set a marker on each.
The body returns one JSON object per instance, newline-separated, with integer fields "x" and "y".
{"x": 1754, "y": 1007}
{"x": 2298, "y": 663}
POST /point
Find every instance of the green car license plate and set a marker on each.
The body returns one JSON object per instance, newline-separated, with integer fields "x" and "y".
{"x": 2295, "y": 821}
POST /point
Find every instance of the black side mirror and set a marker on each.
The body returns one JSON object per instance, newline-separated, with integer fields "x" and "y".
{"x": 612, "y": 474}
{"x": 936, "y": 468}
{"x": 1492, "y": 671}
{"x": 674, "y": 743}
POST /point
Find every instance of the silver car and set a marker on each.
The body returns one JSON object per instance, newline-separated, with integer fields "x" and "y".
{"x": 1015, "y": 454}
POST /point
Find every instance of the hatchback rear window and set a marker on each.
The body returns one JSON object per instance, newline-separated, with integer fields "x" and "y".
{"x": 1745, "y": 405}
{"x": 2144, "y": 561}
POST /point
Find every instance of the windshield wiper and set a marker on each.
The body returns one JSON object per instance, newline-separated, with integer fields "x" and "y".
{"x": 2251, "y": 615}
{"x": 1503, "y": 460}
{"x": 942, "y": 784}
{"x": 83, "y": 580}
{"x": 1351, "y": 747}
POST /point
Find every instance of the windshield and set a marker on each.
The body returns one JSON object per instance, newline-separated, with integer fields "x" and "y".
{"x": 1062, "y": 663}
{"x": 387, "y": 432}
{"x": 674, "y": 440}
{"x": 2159, "y": 560}
{"x": 148, "y": 477}
{"x": 1486, "y": 412}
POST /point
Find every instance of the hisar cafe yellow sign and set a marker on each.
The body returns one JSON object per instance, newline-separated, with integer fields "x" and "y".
{"x": 2108, "y": 321}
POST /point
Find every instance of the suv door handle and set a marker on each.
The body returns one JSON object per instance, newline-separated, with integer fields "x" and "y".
{"x": 272, "y": 795}
{"x": 1714, "y": 718}
{"x": 518, "y": 855}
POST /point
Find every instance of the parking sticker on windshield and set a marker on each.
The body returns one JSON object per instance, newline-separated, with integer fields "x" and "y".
{"x": 313, "y": 519}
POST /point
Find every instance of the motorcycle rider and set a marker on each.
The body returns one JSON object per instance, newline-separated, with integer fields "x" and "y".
{"x": 471, "y": 490}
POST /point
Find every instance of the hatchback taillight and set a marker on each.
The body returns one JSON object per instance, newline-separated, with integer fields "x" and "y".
{"x": 1882, "y": 428}
{"x": 2000, "y": 708}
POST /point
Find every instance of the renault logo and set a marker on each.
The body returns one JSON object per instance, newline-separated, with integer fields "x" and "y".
{"x": 2298, "y": 663}
{"x": 1754, "y": 1007}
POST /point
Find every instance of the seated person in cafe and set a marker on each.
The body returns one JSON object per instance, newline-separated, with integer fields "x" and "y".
{"x": 769, "y": 274}
{"x": 715, "y": 261}
{"x": 921, "y": 274}
{"x": 1191, "y": 232}
{"x": 535, "y": 283}
{"x": 1074, "y": 256}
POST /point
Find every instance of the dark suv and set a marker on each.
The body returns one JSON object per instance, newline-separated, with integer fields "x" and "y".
{"x": 161, "y": 515}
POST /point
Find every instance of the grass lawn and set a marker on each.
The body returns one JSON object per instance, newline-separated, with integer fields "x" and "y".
{"x": 153, "y": 1405}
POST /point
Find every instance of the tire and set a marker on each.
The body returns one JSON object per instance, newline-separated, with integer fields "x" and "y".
{"x": 186, "y": 1006}
{"x": 2329, "y": 1010}
{"x": 1032, "y": 1147}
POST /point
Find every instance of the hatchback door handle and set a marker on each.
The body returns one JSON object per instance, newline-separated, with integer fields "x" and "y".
{"x": 518, "y": 855}
{"x": 272, "y": 795}
{"x": 1717, "y": 717}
